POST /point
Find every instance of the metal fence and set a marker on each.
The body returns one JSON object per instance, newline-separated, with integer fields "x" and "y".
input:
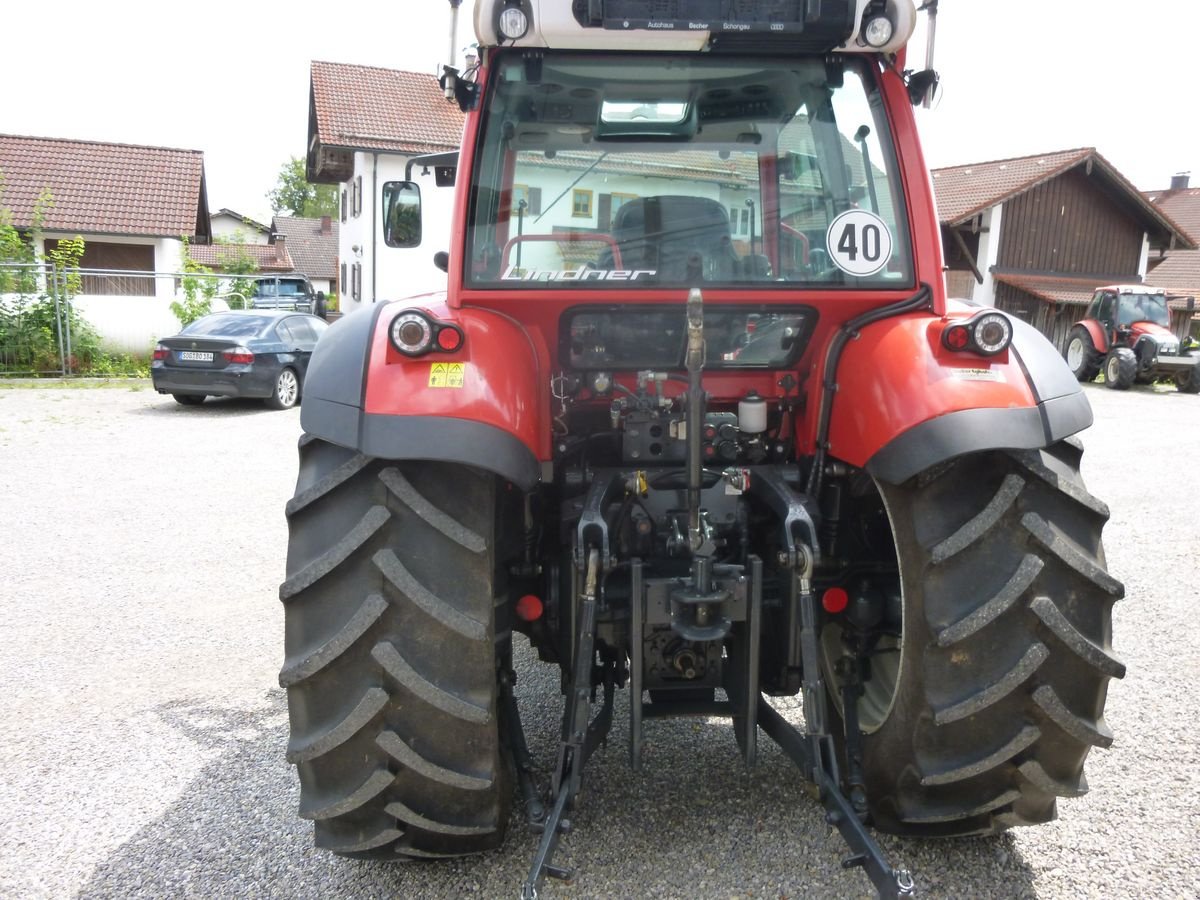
{"x": 36, "y": 320}
{"x": 53, "y": 321}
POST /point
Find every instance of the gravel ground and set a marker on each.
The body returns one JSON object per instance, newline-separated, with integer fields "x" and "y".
{"x": 141, "y": 753}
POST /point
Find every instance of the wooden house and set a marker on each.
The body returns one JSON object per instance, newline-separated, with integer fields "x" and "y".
{"x": 1035, "y": 235}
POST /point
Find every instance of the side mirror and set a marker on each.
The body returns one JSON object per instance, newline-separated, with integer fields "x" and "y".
{"x": 441, "y": 259}
{"x": 402, "y": 214}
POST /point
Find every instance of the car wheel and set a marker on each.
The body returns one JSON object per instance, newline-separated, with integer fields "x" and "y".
{"x": 287, "y": 391}
{"x": 189, "y": 399}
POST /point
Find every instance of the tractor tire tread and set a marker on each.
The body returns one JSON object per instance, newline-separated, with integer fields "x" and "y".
{"x": 1002, "y": 699}
{"x": 392, "y": 655}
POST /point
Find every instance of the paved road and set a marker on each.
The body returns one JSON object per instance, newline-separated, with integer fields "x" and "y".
{"x": 141, "y": 750}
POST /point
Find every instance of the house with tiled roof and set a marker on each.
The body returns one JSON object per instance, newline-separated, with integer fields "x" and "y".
{"x": 271, "y": 258}
{"x": 365, "y": 125}
{"x": 312, "y": 246}
{"x": 232, "y": 225}
{"x": 133, "y": 206}
{"x": 1178, "y": 270}
{"x": 1035, "y": 235}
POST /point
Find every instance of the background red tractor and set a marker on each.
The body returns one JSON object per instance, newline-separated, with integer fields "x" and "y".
{"x": 1127, "y": 334}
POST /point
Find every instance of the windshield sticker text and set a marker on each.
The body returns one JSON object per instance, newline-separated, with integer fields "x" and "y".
{"x": 512, "y": 273}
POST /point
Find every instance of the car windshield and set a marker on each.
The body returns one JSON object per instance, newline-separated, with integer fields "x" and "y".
{"x": 1144, "y": 308}
{"x": 230, "y": 325}
{"x": 279, "y": 289}
{"x": 680, "y": 171}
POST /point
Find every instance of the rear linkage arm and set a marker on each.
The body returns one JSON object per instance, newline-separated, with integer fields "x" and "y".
{"x": 814, "y": 750}
{"x": 581, "y": 736}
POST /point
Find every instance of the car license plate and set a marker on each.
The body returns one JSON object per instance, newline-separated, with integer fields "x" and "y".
{"x": 195, "y": 356}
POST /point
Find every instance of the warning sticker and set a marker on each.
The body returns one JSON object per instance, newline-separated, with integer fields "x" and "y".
{"x": 859, "y": 242}
{"x": 447, "y": 375}
{"x": 975, "y": 374}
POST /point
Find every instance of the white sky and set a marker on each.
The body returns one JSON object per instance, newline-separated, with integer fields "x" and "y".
{"x": 231, "y": 78}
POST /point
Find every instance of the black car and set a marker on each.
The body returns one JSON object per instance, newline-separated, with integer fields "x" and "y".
{"x": 253, "y": 353}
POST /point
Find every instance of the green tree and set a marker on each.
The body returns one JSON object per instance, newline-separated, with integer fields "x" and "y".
{"x": 293, "y": 193}
{"x": 198, "y": 290}
{"x": 31, "y": 316}
{"x": 235, "y": 259}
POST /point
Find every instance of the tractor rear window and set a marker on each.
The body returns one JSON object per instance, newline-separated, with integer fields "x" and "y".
{"x": 605, "y": 172}
{"x": 625, "y": 337}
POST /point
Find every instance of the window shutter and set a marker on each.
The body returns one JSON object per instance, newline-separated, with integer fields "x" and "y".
{"x": 343, "y": 205}
{"x": 535, "y": 201}
{"x": 357, "y": 195}
{"x": 604, "y": 212}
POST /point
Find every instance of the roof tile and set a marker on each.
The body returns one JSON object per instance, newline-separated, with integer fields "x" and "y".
{"x": 266, "y": 256}
{"x": 104, "y": 188}
{"x": 369, "y": 108}
{"x": 315, "y": 254}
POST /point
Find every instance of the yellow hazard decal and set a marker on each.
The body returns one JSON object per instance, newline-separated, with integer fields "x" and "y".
{"x": 447, "y": 375}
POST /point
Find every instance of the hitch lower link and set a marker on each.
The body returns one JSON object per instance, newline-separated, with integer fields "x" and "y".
{"x": 813, "y": 750}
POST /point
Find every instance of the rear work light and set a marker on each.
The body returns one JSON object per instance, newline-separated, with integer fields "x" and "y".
{"x": 161, "y": 352}
{"x": 986, "y": 333}
{"x": 414, "y": 334}
{"x": 238, "y": 355}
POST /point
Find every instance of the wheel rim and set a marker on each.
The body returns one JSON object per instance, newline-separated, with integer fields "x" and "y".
{"x": 879, "y": 692}
{"x": 887, "y": 661}
{"x": 287, "y": 387}
{"x": 1113, "y": 372}
{"x": 1075, "y": 354}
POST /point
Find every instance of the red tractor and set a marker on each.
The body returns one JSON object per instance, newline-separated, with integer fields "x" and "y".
{"x": 1127, "y": 333}
{"x": 696, "y": 420}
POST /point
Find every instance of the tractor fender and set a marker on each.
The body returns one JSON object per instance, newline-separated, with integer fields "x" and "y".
{"x": 472, "y": 406}
{"x": 905, "y": 402}
{"x": 1096, "y": 331}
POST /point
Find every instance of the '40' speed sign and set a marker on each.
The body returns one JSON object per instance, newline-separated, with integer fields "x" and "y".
{"x": 859, "y": 242}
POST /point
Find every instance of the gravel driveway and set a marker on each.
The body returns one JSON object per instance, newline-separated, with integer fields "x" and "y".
{"x": 141, "y": 751}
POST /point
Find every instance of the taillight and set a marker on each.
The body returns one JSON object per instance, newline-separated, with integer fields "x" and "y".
{"x": 161, "y": 352}
{"x": 414, "y": 334}
{"x": 238, "y": 355}
{"x": 986, "y": 333}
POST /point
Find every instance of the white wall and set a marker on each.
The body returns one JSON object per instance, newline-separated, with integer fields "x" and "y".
{"x": 390, "y": 273}
{"x": 989, "y": 253}
{"x": 227, "y": 226}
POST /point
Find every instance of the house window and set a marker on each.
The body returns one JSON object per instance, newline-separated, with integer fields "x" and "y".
{"x": 357, "y": 195}
{"x": 531, "y": 196}
{"x": 113, "y": 261}
{"x": 619, "y": 200}
{"x": 581, "y": 204}
{"x": 745, "y": 221}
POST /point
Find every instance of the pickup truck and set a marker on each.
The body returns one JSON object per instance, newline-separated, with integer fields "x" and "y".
{"x": 284, "y": 292}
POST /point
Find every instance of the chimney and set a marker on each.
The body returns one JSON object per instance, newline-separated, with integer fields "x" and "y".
{"x": 326, "y": 224}
{"x": 281, "y": 249}
{"x": 1179, "y": 182}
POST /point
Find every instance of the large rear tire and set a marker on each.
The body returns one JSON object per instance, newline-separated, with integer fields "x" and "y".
{"x": 1005, "y": 649}
{"x": 391, "y": 655}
